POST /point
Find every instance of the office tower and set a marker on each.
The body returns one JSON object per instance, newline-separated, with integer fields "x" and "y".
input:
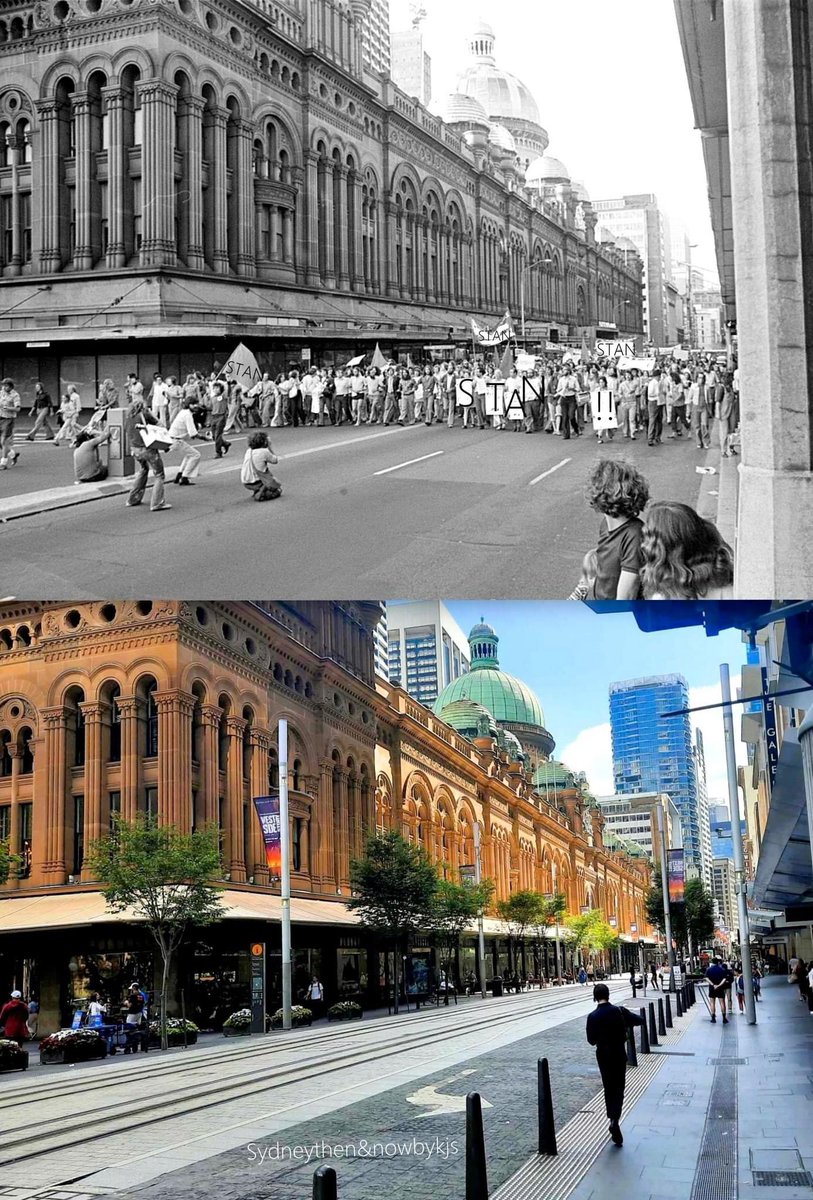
{"x": 633, "y": 819}
{"x": 411, "y": 66}
{"x": 376, "y": 36}
{"x": 639, "y": 219}
{"x": 702, "y": 808}
{"x": 381, "y": 646}
{"x": 723, "y": 891}
{"x": 427, "y": 649}
{"x": 654, "y": 753}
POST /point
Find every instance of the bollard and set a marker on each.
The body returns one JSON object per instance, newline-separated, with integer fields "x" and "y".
{"x": 679, "y": 1009}
{"x": 644, "y": 1034}
{"x": 634, "y": 993}
{"x": 547, "y": 1129}
{"x": 476, "y": 1179}
{"x": 632, "y": 1057}
{"x": 653, "y": 1032}
{"x": 661, "y": 1019}
{"x": 324, "y": 1184}
{"x": 692, "y": 995}
{"x": 668, "y": 1004}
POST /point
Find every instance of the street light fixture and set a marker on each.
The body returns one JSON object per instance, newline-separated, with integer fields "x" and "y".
{"x": 621, "y": 304}
{"x": 539, "y": 262}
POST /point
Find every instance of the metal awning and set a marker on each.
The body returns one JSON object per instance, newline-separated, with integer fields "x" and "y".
{"x": 784, "y": 874}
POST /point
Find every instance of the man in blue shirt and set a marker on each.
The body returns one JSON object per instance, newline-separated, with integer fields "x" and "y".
{"x": 717, "y": 976}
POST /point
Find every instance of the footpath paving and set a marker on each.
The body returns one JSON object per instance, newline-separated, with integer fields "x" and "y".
{"x": 727, "y": 1116}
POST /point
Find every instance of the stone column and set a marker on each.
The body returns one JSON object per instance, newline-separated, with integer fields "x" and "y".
{"x": 260, "y": 742}
{"x": 158, "y": 172}
{"x": 275, "y": 224}
{"x": 327, "y": 202}
{"x": 322, "y": 835}
{"x": 117, "y": 164}
{"x": 236, "y": 728}
{"x": 175, "y": 710}
{"x": 390, "y": 250}
{"x": 288, "y": 236}
{"x": 93, "y": 714}
{"x": 83, "y": 242}
{"x": 15, "y": 754}
{"x": 340, "y": 226}
{"x": 47, "y": 161}
{"x": 129, "y": 708}
{"x": 243, "y": 183}
{"x": 192, "y": 108}
{"x": 217, "y": 183}
{"x": 310, "y": 243}
{"x": 15, "y": 264}
{"x": 210, "y": 716}
{"x": 56, "y": 730}
{"x": 342, "y": 856}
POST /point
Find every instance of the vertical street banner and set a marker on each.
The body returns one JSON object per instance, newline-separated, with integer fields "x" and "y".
{"x": 675, "y": 876}
{"x": 771, "y": 743}
{"x": 268, "y": 811}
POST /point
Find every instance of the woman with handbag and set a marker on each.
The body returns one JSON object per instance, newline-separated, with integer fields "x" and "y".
{"x": 145, "y": 451}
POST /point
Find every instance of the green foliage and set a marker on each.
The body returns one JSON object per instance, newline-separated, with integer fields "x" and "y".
{"x": 694, "y": 917}
{"x": 455, "y": 907}
{"x": 590, "y": 932}
{"x": 299, "y": 1016}
{"x": 163, "y": 877}
{"x": 394, "y": 884}
{"x": 521, "y": 910}
{"x": 8, "y": 863}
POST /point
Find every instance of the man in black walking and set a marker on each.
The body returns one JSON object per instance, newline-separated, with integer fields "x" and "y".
{"x": 607, "y": 1029}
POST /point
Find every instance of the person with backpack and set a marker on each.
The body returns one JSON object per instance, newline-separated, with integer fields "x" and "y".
{"x": 607, "y": 1028}
{"x": 255, "y": 473}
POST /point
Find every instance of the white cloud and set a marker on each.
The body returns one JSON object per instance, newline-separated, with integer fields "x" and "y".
{"x": 591, "y": 750}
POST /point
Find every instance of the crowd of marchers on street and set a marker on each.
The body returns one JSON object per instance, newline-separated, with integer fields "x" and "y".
{"x": 662, "y": 550}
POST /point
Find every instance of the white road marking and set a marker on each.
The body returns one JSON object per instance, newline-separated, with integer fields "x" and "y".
{"x": 550, "y": 471}
{"x": 440, "y": 1103}
{"x": 369, "y": 437}
{"x": 423, "y": 458}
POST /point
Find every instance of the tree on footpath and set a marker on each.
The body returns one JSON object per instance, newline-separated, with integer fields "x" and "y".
{"x": 550, "y": 914}
{"x": 591, "y": 933}
{"x": 163, "y": 877}
{"x": 8, "y": 863}
{"x": 454, "y": 909}
{"x": 521, "y": 911}
{"x": 394, "y": 887}
{"x": 692, "y": 920}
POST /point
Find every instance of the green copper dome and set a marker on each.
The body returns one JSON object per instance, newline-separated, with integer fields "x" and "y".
{"x": 552, "y": 775}
{"x": 506, "y": 698}
{"x": 469, "y": 718}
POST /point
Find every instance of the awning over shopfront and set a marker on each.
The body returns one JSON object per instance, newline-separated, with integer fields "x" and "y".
{"x": 784, "y": 874}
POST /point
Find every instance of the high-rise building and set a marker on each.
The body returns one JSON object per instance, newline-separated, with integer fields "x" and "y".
{"x": 721, "y": 838}
{"x": 654, "y": 753}
{"x": 702, "y": 808}
{"x": 375, "y": 45}
{"x": 722, "y": 888}
{"x": 634, "y": 819}
{"x": 639, "y": 219}
{"x": 381, "y": 646}
{"x": 411, "y": 66}
{"x": 718, "y": 811}
{"x": 427, "y": 649}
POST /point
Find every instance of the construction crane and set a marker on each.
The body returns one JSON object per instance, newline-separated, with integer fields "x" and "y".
{"x": 418, "y": 13}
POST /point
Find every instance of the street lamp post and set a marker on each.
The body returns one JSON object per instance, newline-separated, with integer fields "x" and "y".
{"x": 539, "y": 262}
{"x": 736, "y": 842}
{"x": 481, "y": 945}
{"x": 558, "y": 951}
{"x": 665, "y": 885}
{"x": 620, "y": 305}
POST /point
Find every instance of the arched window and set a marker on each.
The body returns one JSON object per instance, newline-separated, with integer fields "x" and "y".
{"x": 5, "y": 757}
{"x": 26, "y": 753}
{"x": 223, "y": 734}
{"x": 273, "y": 769}
{"x": 296, "y": 775}
{"x": 76, "y": 726}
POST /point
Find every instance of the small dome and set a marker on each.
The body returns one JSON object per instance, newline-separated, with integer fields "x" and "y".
{"x": 468, "y": 718}
{"x": 552, "y": 776}
{"x": 581, "y": 193}
{"x": 465, "y": 110}
{"x": 500, "y": 137}
{"x": 482, "y": 630}
{"x": 625, "y": 244}
{"x": 547, "y": 169}
{"x": 483, "y": 29}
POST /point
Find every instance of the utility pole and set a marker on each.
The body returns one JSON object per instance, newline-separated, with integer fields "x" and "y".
{"x": 736, "y": 839}
{"x": 285, "y": 881}
{"x": 558, "y": 952}
{"x": 665, "y": 886}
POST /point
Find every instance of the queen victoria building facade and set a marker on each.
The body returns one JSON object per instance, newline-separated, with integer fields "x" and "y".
{"x": 179, "y": 174}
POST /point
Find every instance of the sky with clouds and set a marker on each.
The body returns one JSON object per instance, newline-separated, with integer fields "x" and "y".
{"x": 569, "y": 656}
{"x": 611, "y": 86}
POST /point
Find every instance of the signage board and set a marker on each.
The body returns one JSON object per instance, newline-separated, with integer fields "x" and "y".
{"x": 675, "y": 876}
{"x": 771, "y": 743}
{"x": 525, "y": 362}
{"x": 257, "y": 957}
{"x": 602, "y": 407}
{"x": 615, "y": 348}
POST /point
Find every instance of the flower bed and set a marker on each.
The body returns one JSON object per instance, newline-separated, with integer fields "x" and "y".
{"x": 12, "y": 1056}
{"x": 238, "y": 1024}
{"x": 299, "y": 1016}
{"x": 345, "y": 1010}
{"x": 72, "y": 1046}
{"x": 175, "y": 1032}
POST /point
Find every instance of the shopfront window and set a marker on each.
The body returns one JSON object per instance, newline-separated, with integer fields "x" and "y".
{"x": 109, "y": 973}
{"x": 352, "y": 974}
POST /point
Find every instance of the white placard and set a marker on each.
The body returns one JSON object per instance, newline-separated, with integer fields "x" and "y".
{"x": 602, "y": 407}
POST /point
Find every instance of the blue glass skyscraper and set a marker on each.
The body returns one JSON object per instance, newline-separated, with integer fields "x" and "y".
{"x": 654, "y": 754}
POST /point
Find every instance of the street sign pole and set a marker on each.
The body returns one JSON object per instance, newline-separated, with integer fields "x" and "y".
{"x": 285, "y": 882}
{"x": 736, "y": 841}
{"x": 558, "y": 949}
{"x": 258, "y": 987}
{"x": 665, "y": 886}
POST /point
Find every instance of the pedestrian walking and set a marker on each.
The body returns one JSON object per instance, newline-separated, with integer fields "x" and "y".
{"x": 684, "y": 557}
{"x": 566, "y": 393}
{"x": 656, "y": 403}
{"x": 583, "y": 977}
{"x": 41, "y": 409}
{"x": 33, "y": 1016}
{"x": 717, "y": 976}
{"x": 10, "y": 405}
{"x": 740, "y": 989}
{"x": 14, "y": 1018}
{"x": 315, "y": 996}
{"x": 219, "y": 410}
{"x": 607, "y": 1029}
{"x": 653, "y": 975}
{"x": 148, "y": 457}
{"x": 69, "y": 409}
{"x": 255, "y": 473}
{"x": 181, "y": 431}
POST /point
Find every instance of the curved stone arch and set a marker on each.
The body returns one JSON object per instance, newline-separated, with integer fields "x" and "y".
{"x": 351, "y": 150}
{"x": 443, "y": 794}
{"x": 453, "y": 197}
{"x": 104, "y": 674}
{"x": 271, "y": 112}
{"x": 148, "y": 667}
{"x": 64, "y": 68}
{"x": 176, "y": 61}
{"x": 432, "y": 188}
{"x": 133, "y": 56}
{"x": 205, "y": 76}
{"x": 418, "y": 777}
{"x": 231, "y": 89}
{"x": 368, "y": 167}
{"x": 28, "y": 717}
{"x": 24, "y": 109}
{"x": 320, "y": 134}
{"x": 406, "y": 173}
{"x": 97, "y": 62}
{"x": 73, "y": 677}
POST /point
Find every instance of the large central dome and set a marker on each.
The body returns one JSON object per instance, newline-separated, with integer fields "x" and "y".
{"x": 500, "y": 93}
{"x": 508, "y": 699}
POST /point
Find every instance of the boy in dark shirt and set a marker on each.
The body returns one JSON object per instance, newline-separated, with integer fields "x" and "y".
{"x": 607, "y": 1029}
{"x": 620, "y": 493}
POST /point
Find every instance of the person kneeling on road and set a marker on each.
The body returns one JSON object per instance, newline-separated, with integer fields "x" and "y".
{"x": 607, "y": 1029}
{"x": 255, "y": 473}
{"x": 87, "y": 463}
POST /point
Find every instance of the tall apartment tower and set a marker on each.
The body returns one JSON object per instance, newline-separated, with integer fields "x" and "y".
{"x": 376, "y": 37}
{"x": 411, "y": 66}
{"x": 427, "y": 648}
{"x": 639, "y": 219}
{"x": 654, "y": 753}
{"x": 702, "y": 809}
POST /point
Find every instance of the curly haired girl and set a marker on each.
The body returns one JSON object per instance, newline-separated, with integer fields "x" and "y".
{"x": 684, "y": 556}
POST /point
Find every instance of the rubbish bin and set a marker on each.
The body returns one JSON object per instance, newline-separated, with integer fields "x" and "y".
{"x": 496, "y": 987}
{"x": 120, "y": 461}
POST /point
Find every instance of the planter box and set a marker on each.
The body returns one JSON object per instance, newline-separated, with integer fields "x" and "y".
{"x": 294, "y": 1024}
{"x": 20, "y": 1065}
{"x": 73, "y": 1054}
{"x": 173, "y": 1040}
{"x": 345, "y": 1016}
{"x": 230, "y": 1031}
